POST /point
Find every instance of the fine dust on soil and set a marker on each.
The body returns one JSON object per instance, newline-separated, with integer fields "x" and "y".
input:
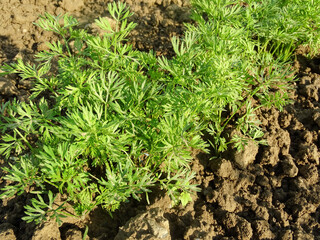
{"x": 265, "y": 192}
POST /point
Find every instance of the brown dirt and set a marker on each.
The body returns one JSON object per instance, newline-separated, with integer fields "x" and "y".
{"x": 265, "y": 192}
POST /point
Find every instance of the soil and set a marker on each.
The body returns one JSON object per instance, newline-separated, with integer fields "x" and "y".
{"x": 264, "y": 192}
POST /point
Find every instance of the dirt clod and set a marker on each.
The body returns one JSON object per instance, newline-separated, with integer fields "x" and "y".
{"x": 73, "y": 234}
{"x": 148, "y": 225}
{"x": 263, "y": 192}
{"x": 262, "y": 230}
{"x": 289, "y": 167}
{"x": 7, "y": 87}
{"x": 47, "y": 230}
{"x": 72, "y": 5}
{"x": 7, "y": 231}
{"x": 223, "y": 168}
{"x": 246, "y": 156}
{"x": 244, "y": 230}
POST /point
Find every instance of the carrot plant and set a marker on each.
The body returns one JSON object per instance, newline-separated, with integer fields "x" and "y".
{"x": 106, "y": 122}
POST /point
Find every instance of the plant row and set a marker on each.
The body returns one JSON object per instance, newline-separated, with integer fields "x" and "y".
{"x": 106, "y": 122}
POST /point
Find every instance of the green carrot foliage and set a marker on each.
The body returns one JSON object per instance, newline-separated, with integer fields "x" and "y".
{"x": 106, "y": 122}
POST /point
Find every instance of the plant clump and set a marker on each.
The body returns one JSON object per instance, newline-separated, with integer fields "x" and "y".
{"x": 106, "y": 122}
